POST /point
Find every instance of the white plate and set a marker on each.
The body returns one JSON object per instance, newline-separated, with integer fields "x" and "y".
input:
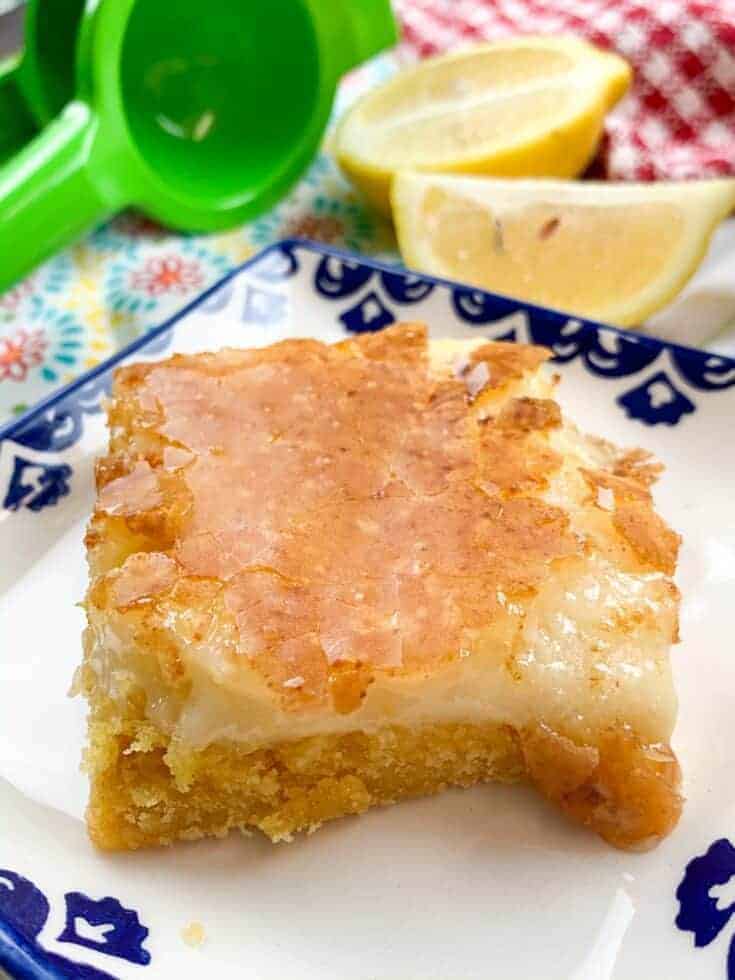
{"x": 473, "y": 884}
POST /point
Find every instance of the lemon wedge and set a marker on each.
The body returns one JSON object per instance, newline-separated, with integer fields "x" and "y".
{"x": 524, "y": 107}
{"x": 613, "y": 252}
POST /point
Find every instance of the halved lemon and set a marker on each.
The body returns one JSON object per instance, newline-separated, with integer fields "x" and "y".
{"x": 524, "y": 107}
{"x": 613, "y": 252}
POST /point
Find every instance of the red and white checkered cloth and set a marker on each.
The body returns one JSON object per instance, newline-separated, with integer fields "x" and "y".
{"x": 678, "y": 120}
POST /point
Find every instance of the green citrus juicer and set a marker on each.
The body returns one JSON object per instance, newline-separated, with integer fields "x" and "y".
{"x": 200, "y": 114}
{"x": 36, "y": 84}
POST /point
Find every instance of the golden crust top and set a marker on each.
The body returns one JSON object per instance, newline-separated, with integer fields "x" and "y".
{"x": 350, "y": 509}
{"x": 634, "y": 518}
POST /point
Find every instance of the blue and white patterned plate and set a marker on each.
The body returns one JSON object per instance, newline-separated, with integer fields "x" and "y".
{"x": 475, "y": 884}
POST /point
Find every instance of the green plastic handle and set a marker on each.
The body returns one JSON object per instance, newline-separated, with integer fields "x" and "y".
{"x": 49, "y": 193}
{"x": 17, "y": 125}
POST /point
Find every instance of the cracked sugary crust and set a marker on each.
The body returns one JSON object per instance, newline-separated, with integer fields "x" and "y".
{"x": 427, "y": 507}
{"x": 312, "y": 524}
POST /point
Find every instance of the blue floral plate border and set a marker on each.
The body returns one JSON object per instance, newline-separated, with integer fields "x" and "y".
{"x": 55, "y": 422}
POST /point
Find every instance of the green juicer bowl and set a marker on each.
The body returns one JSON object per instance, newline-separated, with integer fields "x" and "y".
{"x": 201, "y": 116}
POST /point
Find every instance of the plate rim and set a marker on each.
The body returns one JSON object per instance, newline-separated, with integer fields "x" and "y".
{"x": 19, "y": 422}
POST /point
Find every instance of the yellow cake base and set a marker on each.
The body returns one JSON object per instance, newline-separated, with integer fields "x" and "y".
{"x": 157, "y": 792}
{"x": 147, "y": 789}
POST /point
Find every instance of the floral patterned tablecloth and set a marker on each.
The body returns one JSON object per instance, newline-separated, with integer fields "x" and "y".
{"x": 130, "y": 274}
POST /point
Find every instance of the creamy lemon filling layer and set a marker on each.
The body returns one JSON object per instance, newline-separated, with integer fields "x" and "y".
{"x": 575, "y": 664}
